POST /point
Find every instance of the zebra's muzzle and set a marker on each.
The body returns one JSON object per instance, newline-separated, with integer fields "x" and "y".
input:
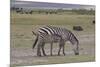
{"x": 76, "y": 53}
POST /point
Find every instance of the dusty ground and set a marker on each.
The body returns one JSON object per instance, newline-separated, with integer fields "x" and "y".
{"x": 26, "y": 56}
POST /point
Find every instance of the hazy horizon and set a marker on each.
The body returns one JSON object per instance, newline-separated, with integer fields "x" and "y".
{"x": 46, "y": 5}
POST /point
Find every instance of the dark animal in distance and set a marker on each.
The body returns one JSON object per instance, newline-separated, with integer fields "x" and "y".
{"x": 77, "y": 28}
{"x": 93, "y": 21}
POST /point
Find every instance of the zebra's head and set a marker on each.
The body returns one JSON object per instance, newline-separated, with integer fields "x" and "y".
{"x": 75, "y": 43}
{"x": 76, "y": 46}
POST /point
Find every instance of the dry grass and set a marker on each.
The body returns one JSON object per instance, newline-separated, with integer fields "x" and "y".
{"x": 22, "y": 38}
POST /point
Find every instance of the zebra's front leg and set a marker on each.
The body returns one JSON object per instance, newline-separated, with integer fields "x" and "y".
{"x": 59, "y": 49}
{"x": 51, "y": 49}
{"x": 61, "y": 44}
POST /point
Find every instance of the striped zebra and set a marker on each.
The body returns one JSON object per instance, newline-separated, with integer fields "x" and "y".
{"x": 62, "y": 34}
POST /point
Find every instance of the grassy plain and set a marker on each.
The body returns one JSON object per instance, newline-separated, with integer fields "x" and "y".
{"x": 22, "y": 38}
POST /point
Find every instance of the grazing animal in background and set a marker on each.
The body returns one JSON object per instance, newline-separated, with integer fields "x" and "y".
{"x": 77, "y": 28}
{"x": 93, "y": 21}
{"x": 62, "y": 34}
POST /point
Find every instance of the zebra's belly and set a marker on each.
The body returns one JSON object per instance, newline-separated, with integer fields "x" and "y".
{"x": 51, "y": 39}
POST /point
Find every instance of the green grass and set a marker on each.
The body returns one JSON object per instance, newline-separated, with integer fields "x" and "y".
{"x": 50, "y": 19}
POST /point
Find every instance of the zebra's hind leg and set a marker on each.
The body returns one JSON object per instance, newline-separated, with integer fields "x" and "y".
{"x": 64, "y": 49}
{"x": 51, "y": 49}
{"x": 38, "y": 50}
{"x": 43, "y": 44}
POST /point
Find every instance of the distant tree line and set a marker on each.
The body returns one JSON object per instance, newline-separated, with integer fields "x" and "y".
{"x": 52, "y": 11}
{"x": 84, "y": 11}
{"x": 21, "y": 10}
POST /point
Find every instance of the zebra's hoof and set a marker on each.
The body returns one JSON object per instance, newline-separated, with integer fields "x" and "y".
{"x": 45, "y": 55}
{"x": 51, "y": 54}
{"x": 76, "y": 53}
{"x": 39, "y": 55}
{"x": 64, "y": 54}
{"x": 58, "y": 54}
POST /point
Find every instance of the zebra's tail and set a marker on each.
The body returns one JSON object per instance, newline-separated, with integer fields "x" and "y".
{"x": 34, "y": 33}
{"x": 35, "y": 40}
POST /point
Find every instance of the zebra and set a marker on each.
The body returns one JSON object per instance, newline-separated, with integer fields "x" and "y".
{"x": 64, "y": 36}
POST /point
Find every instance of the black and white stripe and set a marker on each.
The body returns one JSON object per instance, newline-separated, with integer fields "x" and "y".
{"x": 52, "y": 33}
{"x": 63, "y": 32}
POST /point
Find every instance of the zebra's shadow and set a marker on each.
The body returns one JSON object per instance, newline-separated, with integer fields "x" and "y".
{"x": 55, "y": 55}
